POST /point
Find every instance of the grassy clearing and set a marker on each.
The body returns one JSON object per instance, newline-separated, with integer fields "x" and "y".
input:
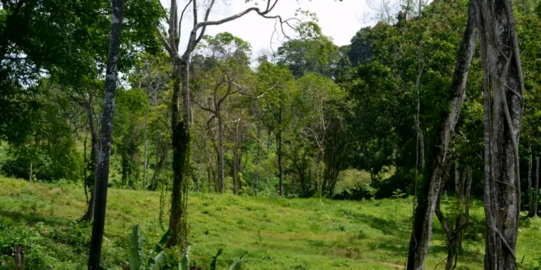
{"x": 277, "y": 233}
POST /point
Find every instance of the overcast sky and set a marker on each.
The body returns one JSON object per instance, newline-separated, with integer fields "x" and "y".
{"x": 339, "y": 20}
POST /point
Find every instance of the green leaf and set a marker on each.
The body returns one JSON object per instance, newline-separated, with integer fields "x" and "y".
{"x": 160, "y": 246}
{"x": 185, "y": 263}
{"x": 213, "y": 263}
{"x": 153, "y": 262}
{"x": 238, "y": 263}
{"x": 136, "y": 254}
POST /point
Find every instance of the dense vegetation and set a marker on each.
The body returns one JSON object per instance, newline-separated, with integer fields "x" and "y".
{"x": 313, "y": 120}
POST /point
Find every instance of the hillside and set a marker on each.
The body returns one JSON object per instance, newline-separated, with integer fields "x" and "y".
{"x": 277, "y": 233}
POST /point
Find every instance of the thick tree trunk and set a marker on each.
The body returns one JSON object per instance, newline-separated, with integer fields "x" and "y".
{"x": 424, "y": 212}
{"x": 530, "y": 188}
{"x": 102, "y": 172}
{"x": 180, "y": 143}
{"x": 503, "y": 95}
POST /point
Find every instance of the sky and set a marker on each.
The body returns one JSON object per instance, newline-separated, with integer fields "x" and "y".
{"x": 339, "y": 20}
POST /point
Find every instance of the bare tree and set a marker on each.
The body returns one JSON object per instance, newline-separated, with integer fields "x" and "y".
{"x": 181, "y": 129}
{"x": 217, "y": 100}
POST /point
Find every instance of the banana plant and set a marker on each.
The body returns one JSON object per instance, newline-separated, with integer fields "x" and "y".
{"x": 185, "y": 263}
{"x": 137, "y": 256}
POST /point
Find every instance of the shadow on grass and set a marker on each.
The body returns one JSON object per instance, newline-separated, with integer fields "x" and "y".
{"x": 386, "y": 226}
{"x": 31, "y": 218}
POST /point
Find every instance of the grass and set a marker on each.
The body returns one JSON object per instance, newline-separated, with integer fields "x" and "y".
{"x": 277, "y": 233}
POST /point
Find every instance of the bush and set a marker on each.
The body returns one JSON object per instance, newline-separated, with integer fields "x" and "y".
{"x": 364, "y": 191}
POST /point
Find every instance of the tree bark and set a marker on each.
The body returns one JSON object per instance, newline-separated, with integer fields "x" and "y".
{"x": 102, "y": 173}
{"x": 503, "y": 98}
{"x": 424, "y": 212}
{"x": 180, "y": 143}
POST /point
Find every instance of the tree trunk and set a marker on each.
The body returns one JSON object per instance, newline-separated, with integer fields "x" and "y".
{"x": 318, "y": 161}
{"x": 220, "y": 151}
{"x": 530, "y": 188}
{"x": 180, "y": 143}
{"x": 467, "y": 197}
{"x": 424, "y": 212}
{"x": 536, "y": 189}
{"x": 458, "y": 189}
{"x": 280, "y": 172}
{"x": 503, "y": 97}
{"x": 102, "y": 172}
{"x": 91, "y": 165}
{"x": 159, "y": 165}
{"x": 234, "y": 171}
{"x": 145, "y": 151}
{"x": 19, "y": 257}
{"x": 257, "y": 160}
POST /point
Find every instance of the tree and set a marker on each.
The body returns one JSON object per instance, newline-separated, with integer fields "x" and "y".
{"x": 275, "y": 85}
{"x": 227, "y": 64}
{"x": 102, "y": 172}
{"x": 310, "y": 52}
{"x": 428, "y": 197}
{"x": 320, "y": 99}
{"x": 181, "y": 129}
{"x": 503, "y": 99}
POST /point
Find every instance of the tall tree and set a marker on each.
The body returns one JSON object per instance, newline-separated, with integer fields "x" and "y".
{"x": 503, "y": 98}
{"x": 226, "y": 64}
{"x": 181, "y": 129}
{"x": 102, "y": 172}
{"x": 428, "y": 197}
{"x": 276, "y": 85}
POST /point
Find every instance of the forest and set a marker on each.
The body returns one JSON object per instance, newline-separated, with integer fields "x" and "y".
{"x": 129, "y": 142}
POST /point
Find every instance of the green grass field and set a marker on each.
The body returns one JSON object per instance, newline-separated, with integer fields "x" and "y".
{"x": 277, "y": 233}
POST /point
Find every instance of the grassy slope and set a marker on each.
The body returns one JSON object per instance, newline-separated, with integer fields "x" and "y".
{"x": 277, "y": 233}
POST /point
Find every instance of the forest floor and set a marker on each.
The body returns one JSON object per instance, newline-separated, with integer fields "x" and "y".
{"x": 277, "y": 233}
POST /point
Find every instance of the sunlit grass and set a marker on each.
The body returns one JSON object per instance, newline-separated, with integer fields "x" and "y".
{"x": 277, "y": 233}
